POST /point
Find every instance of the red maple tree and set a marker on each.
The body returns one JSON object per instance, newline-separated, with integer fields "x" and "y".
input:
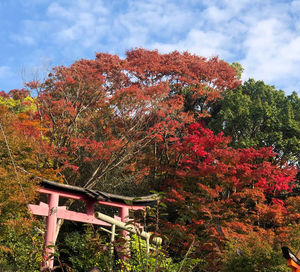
{"x": 106, "y": 117}
{"x": 218, "y": 192}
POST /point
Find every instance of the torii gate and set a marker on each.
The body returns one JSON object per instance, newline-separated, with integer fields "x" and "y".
{"x": 53, "y": 211}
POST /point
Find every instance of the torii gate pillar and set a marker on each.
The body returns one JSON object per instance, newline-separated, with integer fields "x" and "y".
{"x": 124, "y": 215}
{"x": 51, "y": 228}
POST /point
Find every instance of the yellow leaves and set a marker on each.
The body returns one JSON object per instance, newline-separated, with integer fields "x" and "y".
{"x": 19, "y": 105}
{"x": 9, "y": 102}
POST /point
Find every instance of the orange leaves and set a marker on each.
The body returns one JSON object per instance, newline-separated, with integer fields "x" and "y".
{"x": 33, "y": 84}
{"x": 17, "y": 94}
{"x": 235, "y": 227}
{"x": 130, "y": 167}
{"x": 185, "y": 68}
{"x": 210, "y": 192}
{"x": 19, "y": 189}
{"x": 142, "y": 174}
{"x": 27, "y": 125}
{"x": 176, "y": 196}
{"x": 89, "y": 145}
{"x": 270, "y": 215}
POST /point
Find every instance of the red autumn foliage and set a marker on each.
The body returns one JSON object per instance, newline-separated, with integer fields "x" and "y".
{"x": 100, "y": 115}
{"x": 128, "y": 119}
{"x": 218, "y": 192}
{"x": 18, "y": 94}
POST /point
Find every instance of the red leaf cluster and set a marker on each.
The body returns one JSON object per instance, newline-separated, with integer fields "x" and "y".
{"x": 105, "y": 113}
{"x": 222, "y": 193}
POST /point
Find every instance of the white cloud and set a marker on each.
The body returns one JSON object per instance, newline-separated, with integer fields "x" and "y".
{"x": 77, "y": 22}
{"x": 263, "y": 35}
{"x": 217, "y": 15}
{"x": 199, "y": 42}
{"x": 272, "y": 53}
{"x": 295, "y": 5}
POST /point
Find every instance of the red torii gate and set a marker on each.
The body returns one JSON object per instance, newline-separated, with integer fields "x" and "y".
{"x": 53, "y": 211}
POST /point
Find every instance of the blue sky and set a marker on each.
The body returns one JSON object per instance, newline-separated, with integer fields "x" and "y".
{"x": 263, "y": 35}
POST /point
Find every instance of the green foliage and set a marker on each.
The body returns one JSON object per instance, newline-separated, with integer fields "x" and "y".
{"x": 155, "y": 260}
{"x": 238, "y": 68}
{"x": 20, "y": 249}
{"x": 257, "y": 115}
{"x": 83, "y": 251}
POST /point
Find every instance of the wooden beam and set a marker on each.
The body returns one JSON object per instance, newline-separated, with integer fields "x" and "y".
{"x": 63, "y": 213}
{"x": 80, "y": 197}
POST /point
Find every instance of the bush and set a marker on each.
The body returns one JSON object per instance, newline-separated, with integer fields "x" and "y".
{"x": 254, "y": 253}
{"x": 156, "y": 259}
{"x": 20, "y": 249}
{"x": 82, "y": 251}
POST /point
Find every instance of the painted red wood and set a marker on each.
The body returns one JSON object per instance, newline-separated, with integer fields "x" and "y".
{"x": 51, "y": 228}
{"x": 124, "y": 214}
{"x": 41, "y": 209}
{"x": 80, "y": 217}
{"x": 79, "y": 197}
{"x": 63, "y": 213}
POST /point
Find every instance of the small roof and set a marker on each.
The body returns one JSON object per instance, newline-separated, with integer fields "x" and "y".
{"x": 149, "y": 200}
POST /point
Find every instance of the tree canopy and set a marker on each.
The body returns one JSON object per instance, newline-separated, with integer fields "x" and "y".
{"x": 257, "y": 115}
{"x": 101, "y": 117}
{"x": 221, "y": 152}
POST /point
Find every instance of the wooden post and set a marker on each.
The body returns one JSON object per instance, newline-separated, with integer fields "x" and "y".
{"x": 124, "y": 214}
{"x": 89, "y": 207}
{"x": 51, "y": 230}
{"x": 112, "y": 239}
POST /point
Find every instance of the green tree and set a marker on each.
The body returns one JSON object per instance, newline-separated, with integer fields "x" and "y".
{"x": 258, "y": 115}
{"x": 238, "y": 68}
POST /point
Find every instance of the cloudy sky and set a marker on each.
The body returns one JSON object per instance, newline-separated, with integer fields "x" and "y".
{"x": 263, "y": 35}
